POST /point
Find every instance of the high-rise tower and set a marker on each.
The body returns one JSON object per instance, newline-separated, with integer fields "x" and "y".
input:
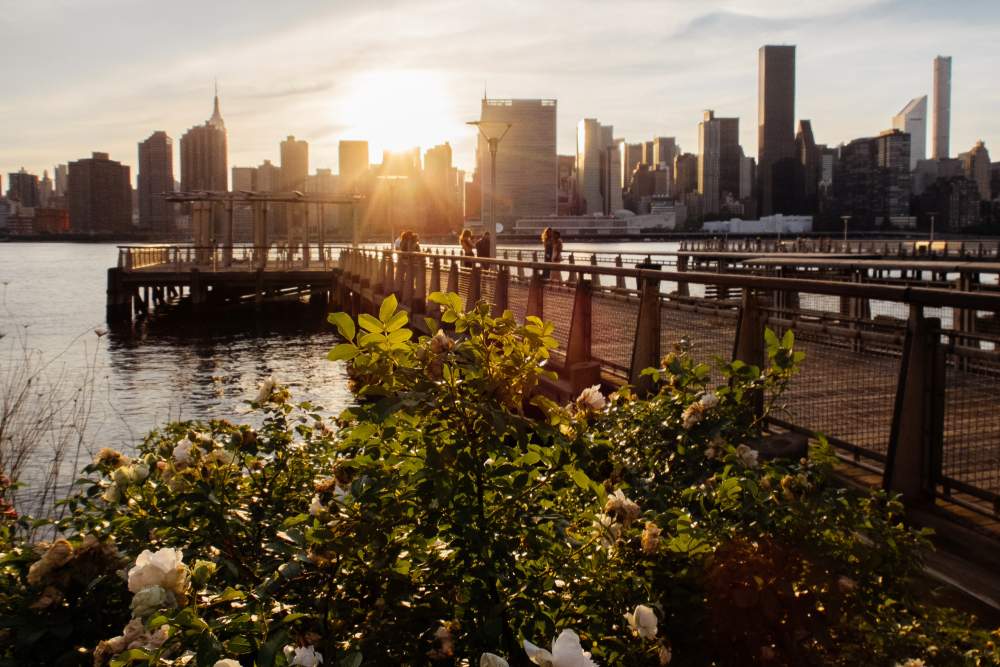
{"x": 941, "y": 120}
{"x": 204, "y": 155}
{"x": 912, "y": 119}
{"x": 718, "y": 160}
{"x": 776, "y": 164}
{"x": 155, "y": 178}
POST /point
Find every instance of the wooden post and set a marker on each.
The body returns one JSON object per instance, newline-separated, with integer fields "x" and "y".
{"x": 646, "y": 346}
{"x": 581, "y": 369}
{"x": 197, "y": 291}
{"x": 913, "y": 463}
{"x": 683, "y": 289}
{"x": 387, "y": 277}
{"x": 406, "y": 294}
{"x": 500, "y": 298}
{"x": 453, "y": 277}
{"x": 749, "y": 345}
{"x": 520, "y": 268}
{"x": 475, "y": 286}
{"x": 572, "y": 273}
{"x": 433, "y": 309}
{"x": 536, "y": 292}
{"x": 418, "y": 300}
{"x": 619, "y": 280}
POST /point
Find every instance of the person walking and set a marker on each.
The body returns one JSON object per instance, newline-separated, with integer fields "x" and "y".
{"x": 468, "y": 247}
{"x": 547, "y": 241}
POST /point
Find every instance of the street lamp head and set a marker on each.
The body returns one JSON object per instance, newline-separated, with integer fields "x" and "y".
{"x": 491, "y": 130}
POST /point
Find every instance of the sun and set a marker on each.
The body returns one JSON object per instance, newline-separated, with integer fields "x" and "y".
{"x": 398, "y": 109}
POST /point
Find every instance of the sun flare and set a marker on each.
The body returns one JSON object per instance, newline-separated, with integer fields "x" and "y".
{"x": 398, "y": 109}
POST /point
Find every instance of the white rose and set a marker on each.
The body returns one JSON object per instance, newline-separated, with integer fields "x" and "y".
{"x": 441, "y": 342}
{"x": 566, "y": 652}
{"x": 138, "y": 472}
{"x": 226, "y": 662}
{"x": 182, "y": 451}
{"x": 709, "y": 399}
{"x": 620, "y": 506}
{"x": 747, "y": 456}
{"x": 266, "y": 387}
{"x": 643, "y": 622}
{"x": 150, "y": 599}
{"x": 164, "y": 568}
{"x": 491, "y": 660}
{"x": 303, "y": 656}
{"x": 121, "y": 476}
{"x": 112, "y": 494}
{"x": 221, "y": 456}
{"x": 316, "y": 507}
{"x": 591, "y": 398}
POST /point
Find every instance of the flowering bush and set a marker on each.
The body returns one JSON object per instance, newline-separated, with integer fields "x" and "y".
{"x": 457, "y": 516}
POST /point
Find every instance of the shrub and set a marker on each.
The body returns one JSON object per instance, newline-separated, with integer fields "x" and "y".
{"x": 456, "y": 513}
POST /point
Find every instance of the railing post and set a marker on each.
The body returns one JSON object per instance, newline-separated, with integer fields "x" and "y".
{"x": 419, "y": 296}
{"x": 572, "y": 273}
{"x": 646, "y": 346}
{"x": 536, "y": 292}
{"x": 453, "y": 277}
{"x": 749, "y": 345}
{"x": 433, "y": 309}
{"x": 619, "y": 280}
{"x": 913, "y": 463}
{"x": 475, "y": 286}
{"x": 387, "y": 275}
{"x": 408, "y": 263}
{"x": 520, "y": 268}
{"x": 683, "y": 289}
{"x": 581, "y": 369}
{"x": 398, "y": 275}
{"x": 500, "y": 294}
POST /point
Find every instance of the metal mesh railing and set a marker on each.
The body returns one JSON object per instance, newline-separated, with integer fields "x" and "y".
{"x": 613, "y": 330}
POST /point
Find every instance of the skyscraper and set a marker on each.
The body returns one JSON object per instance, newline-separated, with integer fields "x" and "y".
{"x": 596, "y": 152}
{"x": 294, "y": 172}
{"x": 156, "y": 177}
{"x": 45, "y": 190}
{"x": 664, "y": 151}
{"x": 631, "y": 157}
{"x": 244, "y": 180}
{"x": 100, "y": 195}
{"x": 976, "y": 165}
{"x": 719, "y": 157}
{"x": 941, "y": 120}
{"x": 62, "y": 175}
{"x": 776, "y": 164}
{"x": 808, "y": 155}
{"x": 527, "y": 166}
{"x": 353, "y": 159}
{"x": 912, "y": 119}
{"x": 22, "y": 187}
{"x": 204, "y": 155}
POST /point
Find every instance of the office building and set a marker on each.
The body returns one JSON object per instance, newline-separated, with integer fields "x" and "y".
{"x": 976, "y": 166}
{"x": 527, "y": 168}
{"x": 912, "y": 119}
{"x": 719, "y": 157}
{"x": 597, "y": 159}
{"x": 807, "y": 153}
{"x": 353, "y": 160}
{"x": 244, "y": 180}
{"x": 440, "y": 180}
{"x": 664, "y": 151}
{"x": 204, "y": 155}
{"x": 294, "y": 172}
{"x": 941, "y": 119}
{"x": 776, "y": 164}
{"x": 22, "y": 187}
{"x": 872, "y": 180}
{"x": 61, "y": 177}
{"x": 100, "y": 195}
{"x": 268, "y": 177}
{"x": 156, "y": 179}
{"x": 631, "y": 157}
{"x": 685, "y": 174}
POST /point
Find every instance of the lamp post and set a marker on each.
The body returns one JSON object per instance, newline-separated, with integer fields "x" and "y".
{"x": 932, "y": 226}
{"x": 392, "y": 178}
{"x": 846, "y": 219}
{"x": 493, "y": 139}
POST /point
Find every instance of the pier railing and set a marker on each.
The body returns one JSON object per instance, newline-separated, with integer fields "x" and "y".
{"x": 911, "y": 248}
{"x": 896, "y": 377}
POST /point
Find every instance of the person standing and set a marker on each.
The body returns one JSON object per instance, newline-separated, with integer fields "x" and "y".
{"x": 547, "y": 245}
{"x": 468, "y": 247}
{"x": 483, "y": 245}
{"x": 557, "y": 246}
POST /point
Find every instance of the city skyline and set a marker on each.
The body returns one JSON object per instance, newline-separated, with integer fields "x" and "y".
{"x": 681, "y": 58}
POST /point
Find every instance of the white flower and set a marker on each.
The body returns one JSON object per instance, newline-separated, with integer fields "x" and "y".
{"x": 138, "y": 472}
{"x": 316, "y": 507}
{"x": 692, "y": 415}
{"x": 266, "y": 387}
{"x": 747, "y": 456}
{"x": 226, "y": 662}
{"x": 165, "y": 568}
{"x": 112, "y": 494}
{"x": 609, "y": 529}
{"x": 643, "y": 622}
{"x": 182, "y": 451}
{"x": 566, "y": 652}
{"x": 150, "y": 599}
{"x": 303, "y": 656}
{"x": 591, "y": 398}
{"x": 491, "y": 660}
{"x": 441, "y": 343}
{"x": 221, "y": 456}
{"x": 120, "y": 476}
{"x": 709, "y": 400}
{"x": 651, "y": 538}
{"x": 912, "y": 662}
{"x": 620, "y": 507}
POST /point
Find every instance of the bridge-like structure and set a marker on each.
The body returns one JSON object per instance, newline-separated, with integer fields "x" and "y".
{"x": 899, "y": 376}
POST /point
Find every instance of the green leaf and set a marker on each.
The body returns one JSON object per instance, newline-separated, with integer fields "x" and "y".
{"x": 352, "y": 659}
{"x": 397, "y": 321}
{"x": 369, "y": 323}
{"x": 579, "y": 477}
{"x": 343, "y": 352}
{"x": 788, "y": 339}
{"x": 238, "y": 645}
{"x": 371, "y": 339}
{"x": 387, "y": 308}
{"x": 400, "y": 336}
{"x": 344, "y": 324}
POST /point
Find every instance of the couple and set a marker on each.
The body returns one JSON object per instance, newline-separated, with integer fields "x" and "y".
{"x": 470, "y": 248}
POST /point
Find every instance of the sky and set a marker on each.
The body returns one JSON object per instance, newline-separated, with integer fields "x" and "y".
{"x": 102, "y": 75}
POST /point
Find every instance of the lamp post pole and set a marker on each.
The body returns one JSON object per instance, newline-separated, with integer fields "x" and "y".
{"x": 493, "y": 141}
{"x": 932, "y": 227}
{"x": 846, "y": 219}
